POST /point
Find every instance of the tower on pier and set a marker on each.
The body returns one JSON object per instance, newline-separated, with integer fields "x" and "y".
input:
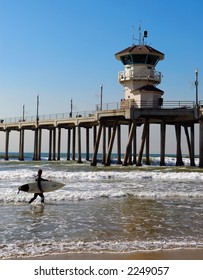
{"x": 139, "y": 77}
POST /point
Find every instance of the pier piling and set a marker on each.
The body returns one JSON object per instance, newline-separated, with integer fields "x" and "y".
{"x": 21, "y": 145}
{"x": 163, "y": 143}
{"x": 143, "y": 139}
{"x": 110, "y": 146}
{"x": 179, "y": 160}
{"x": 96, "y": 146}
{"x": 201, "y": 143}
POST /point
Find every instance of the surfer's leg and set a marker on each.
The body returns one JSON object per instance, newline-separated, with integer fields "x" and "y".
{"x": 42, "y": 197}
{"x": 34, "y": 197}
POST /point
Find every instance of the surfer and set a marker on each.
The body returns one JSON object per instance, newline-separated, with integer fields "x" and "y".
{"x": 38, "y": 180}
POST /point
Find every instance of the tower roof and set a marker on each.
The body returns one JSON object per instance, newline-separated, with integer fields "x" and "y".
{"x": 139, "y": 49}
{"x": 150, "y": 88}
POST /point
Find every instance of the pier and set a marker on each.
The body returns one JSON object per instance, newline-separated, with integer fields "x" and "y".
{"x": 142, "y": 106}
{"x": 108, "y": 122}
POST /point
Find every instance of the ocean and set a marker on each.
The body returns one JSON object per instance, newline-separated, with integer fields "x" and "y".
{"x": 116, "y": 209}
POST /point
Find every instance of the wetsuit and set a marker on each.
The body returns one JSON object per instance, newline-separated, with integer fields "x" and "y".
{"x": 38, "y": 180}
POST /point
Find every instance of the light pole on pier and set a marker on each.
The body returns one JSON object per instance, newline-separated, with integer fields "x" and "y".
{"x": 37, "y": 108}
{"x": 23, "y": 112}
{"x": 196, "y": 85}
{"x": 71, "y": 108}
{"x": 101, "y": 97}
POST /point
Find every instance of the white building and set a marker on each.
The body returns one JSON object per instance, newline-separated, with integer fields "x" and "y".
{"x": 140, "y": 77}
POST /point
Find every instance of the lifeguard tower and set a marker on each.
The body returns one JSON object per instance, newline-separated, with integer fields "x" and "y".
{"x": 139, "y": 76}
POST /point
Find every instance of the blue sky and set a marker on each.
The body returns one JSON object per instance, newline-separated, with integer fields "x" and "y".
{"x": 63, "y": 49}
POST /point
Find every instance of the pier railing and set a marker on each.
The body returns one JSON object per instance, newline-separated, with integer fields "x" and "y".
{"x": 47, "y": 117}
{"x": 106, "y": 106}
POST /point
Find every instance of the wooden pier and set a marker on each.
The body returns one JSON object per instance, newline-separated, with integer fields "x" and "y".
{"x": 178, "y": 114}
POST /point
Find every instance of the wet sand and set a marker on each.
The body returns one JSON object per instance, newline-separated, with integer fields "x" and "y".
{"x": 180, "y": 254}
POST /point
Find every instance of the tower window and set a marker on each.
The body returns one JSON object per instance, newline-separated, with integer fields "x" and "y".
{"x": 152, "y": 59}
{"x": 126, "y": 59}
{"x": 139, "y": 58}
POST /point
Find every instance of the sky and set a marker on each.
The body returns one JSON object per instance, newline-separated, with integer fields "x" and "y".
{"x": 63, "y": 49}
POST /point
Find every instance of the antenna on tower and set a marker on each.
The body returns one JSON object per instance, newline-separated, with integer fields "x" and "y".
{"x": 140, "y": 34}
{"x": 133, "y": 37}
{"x": 145, "y": 35}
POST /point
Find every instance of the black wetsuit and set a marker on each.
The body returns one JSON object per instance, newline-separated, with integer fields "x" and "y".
{"x": 38, "y": 180}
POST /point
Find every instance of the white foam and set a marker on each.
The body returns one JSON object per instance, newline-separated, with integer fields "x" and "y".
{"x": 27, "y": 175}
{"x": 51, "y": 247}
{"x": 94, "y": 184}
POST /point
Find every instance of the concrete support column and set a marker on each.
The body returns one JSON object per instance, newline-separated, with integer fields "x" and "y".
{"x": 39, "y": 144}
{"x": 7, "y": 145}
{"x": 79, "y": 145}
{"x": 144, "y": 133}
{"x": 87, "y": 144}
{"x": 54, "y": 143}
{"x": 108, "y": 158}
{"x": 148, "y": 144}
{"x": 68, "y": 143}
{"x": 192, "y": 130}
{"x": 50, "y": 144}
{"x": 21, "y": 145}
{"x": 104, "y": 145}
{"x": 119, "y": 144}
{"x": 162, "y": 144}
{"x": 190, "y": 148}
{"x": 94, "y": 135}
{"x": 201, "y": 143}
{"x": 59, "y": 144}
{"x": 129, "y": 145}
{"x": 178, "y": 145}
{"x": 35, "y": 157}
{"x": 135, "y": 145}
{"x": 179, "y": 159}
{"x": 96, "y": 147}
{"x": 73, "y": 144}
{"x": 109, "y": 134}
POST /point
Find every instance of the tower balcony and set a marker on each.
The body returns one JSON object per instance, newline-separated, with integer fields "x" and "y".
{"x": 142, "y": 75}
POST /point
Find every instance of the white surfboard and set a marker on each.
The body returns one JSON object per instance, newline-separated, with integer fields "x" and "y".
{"x": 47, "y": 186}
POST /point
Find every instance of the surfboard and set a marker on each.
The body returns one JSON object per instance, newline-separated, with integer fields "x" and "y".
{"x": 47, "y": 186}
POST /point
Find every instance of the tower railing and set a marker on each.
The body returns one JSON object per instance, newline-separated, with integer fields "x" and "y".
{"x": 145, "y": 75}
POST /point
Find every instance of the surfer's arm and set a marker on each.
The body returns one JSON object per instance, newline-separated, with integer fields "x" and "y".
{"x": 39, "y": 185}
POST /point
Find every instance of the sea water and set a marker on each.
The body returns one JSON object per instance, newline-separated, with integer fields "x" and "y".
{"x": 113, "y": 209}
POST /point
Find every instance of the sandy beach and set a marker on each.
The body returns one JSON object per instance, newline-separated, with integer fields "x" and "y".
{"x": 181, "y": 254}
